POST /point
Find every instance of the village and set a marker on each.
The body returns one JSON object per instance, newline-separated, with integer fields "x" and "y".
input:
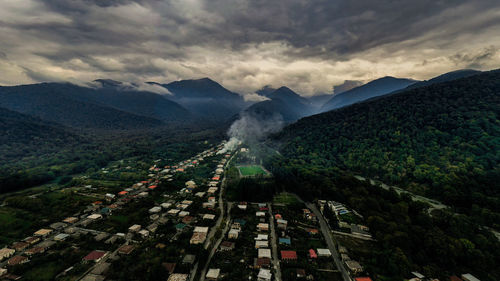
{"x": 177, "y": 225}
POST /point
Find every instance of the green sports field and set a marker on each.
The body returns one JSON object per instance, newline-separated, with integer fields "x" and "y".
{"x": 252, "y": 170}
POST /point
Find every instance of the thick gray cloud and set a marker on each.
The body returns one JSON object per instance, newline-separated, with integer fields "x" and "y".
{"x": 309, "y": 45}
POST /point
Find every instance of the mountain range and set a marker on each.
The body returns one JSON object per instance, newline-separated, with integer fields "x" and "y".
{"x": 108, "y": 104}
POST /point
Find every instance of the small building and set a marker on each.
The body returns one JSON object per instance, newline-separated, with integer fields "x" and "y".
{"x": 354, "y": 266}
{"x": 18, "y": 246}
{"x": 155, "y": 210}
{"x": 261, "y": 244}
{"x": 285, "y": 241}
{"x": 264, "y": 253}
{"x": 61, "y": 237}
{"x": 312, "y": 231}
{"x": 324, "y": 252}
{"x": 198, "y": 238}
{"x": 35, "y": 250}
{"x": 95, "y": 256}
{"x": 15, "y": 260}
{"x": 227, "y": 246}
{"x": 101, "y": 236}
{"x": 43, "y": 232}
{"x": 262, "y": 263}
{"x": 199, "y": 194}
{"x": 264, "y": 275}
{"x": 183, "y": 214}
{"x": 58, "y": 225}
{"x": 126, "y": 249}
{"x": 288, "y": 255}
{"x": 363, "y": 279}
{"x": 178, "y": 277}
{"x": 190, "y": 184}
{"x": 134, "y": 228}
{"x": 152, "y": 227}
{"x": 208, "y": 205}
{"x": 312, "y": 254}
{"x": 260, "y": 214}
{"x": 32, "y": 240}
{"x": 233, "y": 234}
{"x": 261, "y": 237}
{"x": 213, "y": 274}
{"x": 263, "y": 226}
{"x": 469, "y": 277}
{"x": 95, "y": 217}
{"x": 208, "y": 217}
{"x": 189, "y": 259}
{"x": 3, "y": 271}
{"x": 166, "y": 205}
{"x": 180, "y": 226}
{"x": 242, "y": 206}
{"x": 144, "y": 233}
{"x": 70, "y": 220}
{"x": 282, "y": 224}
{"x": 173, "y": 212}
{"x": 6, "y": 253}
{"x": 187, "y": 219}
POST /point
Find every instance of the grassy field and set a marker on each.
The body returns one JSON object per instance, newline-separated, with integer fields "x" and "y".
{"x": 252, "y": 170}
{"x": 284, "y": 198}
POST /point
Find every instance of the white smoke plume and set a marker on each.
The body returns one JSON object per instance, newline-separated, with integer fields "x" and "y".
{"x": 251, "y": 129}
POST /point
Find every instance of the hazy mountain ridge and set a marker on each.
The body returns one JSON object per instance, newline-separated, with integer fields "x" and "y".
{"x": 206, "y": 98}
{"x": 377, "y": 87}
{"x": 70, "y": 105}
{"x": 285, "y": 102}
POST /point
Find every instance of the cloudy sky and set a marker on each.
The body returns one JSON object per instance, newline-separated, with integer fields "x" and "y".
{"x": 308, "y": 45}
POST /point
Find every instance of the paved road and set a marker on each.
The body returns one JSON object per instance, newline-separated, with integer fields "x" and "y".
{"x": 434, "y": 203}
{"x": 274, "y": 246}
{"x": 329, "y": 241}
{"x": 217, "y": 243}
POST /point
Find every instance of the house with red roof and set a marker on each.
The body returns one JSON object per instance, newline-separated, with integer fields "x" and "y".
{"x": 95, "y": 256}
{"x": 288, "y": 255}
{"x": 363, "y": 279}
{"x": 152, "y": 187}
{"x": 312, "y": 254}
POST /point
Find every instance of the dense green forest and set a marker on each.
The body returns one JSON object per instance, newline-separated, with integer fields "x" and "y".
{"x": 34, "y": 152}
{"x": 442, "y": 141}
{"x": 408, "y": 238}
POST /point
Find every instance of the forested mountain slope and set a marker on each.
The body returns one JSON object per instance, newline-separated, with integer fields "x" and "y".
{"x": 441, "y": 140}
{"x": 72, "y": 105}
{"x": 375, "y": 88}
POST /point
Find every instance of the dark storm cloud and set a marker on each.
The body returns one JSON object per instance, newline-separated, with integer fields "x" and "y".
{"x": 245, "y": 44}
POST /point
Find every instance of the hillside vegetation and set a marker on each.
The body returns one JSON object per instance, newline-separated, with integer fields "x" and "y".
{"x": 442, "y": 141}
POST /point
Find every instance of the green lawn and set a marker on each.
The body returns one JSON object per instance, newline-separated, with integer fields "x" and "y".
{"x": 252, "y": 170}
{"x": 284, "y": 198}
